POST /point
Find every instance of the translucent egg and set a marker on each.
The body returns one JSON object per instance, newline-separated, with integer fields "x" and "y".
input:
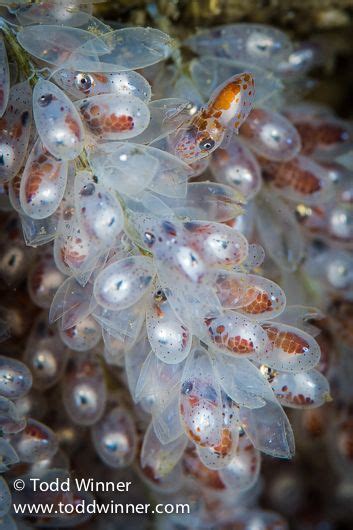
{"x": 15, "y": 378}
{"x": 341, "y": 222}
{"x": 268, "y": 429}
{"x": 339, "y": 272}
{"x": 243, "y": 470}
{"x": 170, "y": 483}
{"x": 74, "y": 251}
{"x": 40, "y": 231}
{"x": 125, "y": 325}
{"x": 58, "y": 122}
{"x": 303, "y": 58}
{"x": 207, "y": 201}
{"x": 11, "y": 418}
{"x": 241, "y": 380}
{"x": 237, "y": 167}
{"x": 48, "y": 13}
{"x": 57, "y": 44}
{"x": 217, "y": 244}
{"x": 200, "y": 401}
{"x": 236, "y": 335}
{"x": 305, "y": 390}
{"x": 122, "y": 283}
{"x": 43, "y": 183}
{"x": 170, "y": 339}
{"x": 84, "y": 389}
{"x": 43, "y": 280}
{"x": 219, "y": 456}
{"x": 113, "y": 117}
{"x": 266, "y": 299}
{"x": 279, "y": 231}
{"x": 82, "y": 84}
{"x": 112, "y": 51}
{"x": 126, "y": 49}
{"x": 35, "y": 442}
{"x": 323, "y": 137}
{"x": 194, "y": 468}
{"x": 72, "y": 303}
{"x": 83, "y": 336}
{"x": 270, "y": 135}
{"x": 299, "y": 179}
{"x": 115, "y": 438}
{"x": 291, "y": 349}
{"x": 98, "y": 211}
{"x": 47, "y": 360}
{"x": 8, "y": 456}
{"x": 124, "y": 167}
{"x": 234, "y": 289}
{"x": 160, "y": 458}
{"x": 15, "y": 128}
{"x": 257, "y": 44}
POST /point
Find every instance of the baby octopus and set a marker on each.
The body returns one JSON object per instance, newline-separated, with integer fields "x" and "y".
{"x": 226, "y": 110}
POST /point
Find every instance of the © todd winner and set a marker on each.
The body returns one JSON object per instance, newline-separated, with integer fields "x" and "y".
{"x": 79, "y": 484}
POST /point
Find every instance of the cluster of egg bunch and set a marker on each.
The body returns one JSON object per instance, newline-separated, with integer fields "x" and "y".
{"x": 295, "y": 158}
{"x": 15, "y": 381}
{"x": 27, "y": 445}
{"x": 148, "y": 276}
{"x": 289, "y": 154}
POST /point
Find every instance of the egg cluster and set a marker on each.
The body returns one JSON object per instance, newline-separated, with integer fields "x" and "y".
{"x": 144, "y": 187}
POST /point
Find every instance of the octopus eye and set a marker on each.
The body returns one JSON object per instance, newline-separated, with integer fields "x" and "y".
{"x": 160, "y": 296}
{"x": 186, "y": 387}
{"x": 84, "y": 82}
{"x": 207, "y": 144}
{"x": 88, "y": 190}
{"x": 149, "y": 238}
{"x": 45, "y": 100}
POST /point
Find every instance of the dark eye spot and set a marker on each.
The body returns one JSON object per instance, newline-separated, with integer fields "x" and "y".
{"x": 84, "y": 82}
{"x": 207, "y": 144}
{"x": 88, "y": 190}
{"x": 149, "y": 238}
{"x": 160, "y": 296}
{"x": 45, "y": 100}
{"x": 186, "y": 387}
{"x": 169, "y": 228}
{"x": 24, "y": 118}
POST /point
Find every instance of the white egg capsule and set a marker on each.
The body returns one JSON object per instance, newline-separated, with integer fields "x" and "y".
{"x": 122, "y": 283}
{"x": 270, "y": 135}
{"x": 113, "y": 117}
{"x": 58, "y": 122}
{"x": 83, "y": 336}
{"x": 15, "y": 128}
{"x": 99, "y": 213}
{"x": 170, "y": 339}
{"x": 42, "y": 183}
{"x": 35, "y": 442}
{"x": 15, "y": 378}
{"x": 88, "y": 84}
{"x": 115, "y": 438}
{"x": 84, "y": 390}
